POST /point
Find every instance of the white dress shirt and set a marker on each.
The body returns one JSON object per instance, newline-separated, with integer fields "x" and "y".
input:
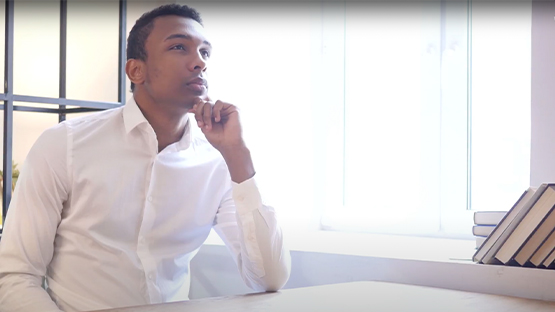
{"x": 112, "y": 222}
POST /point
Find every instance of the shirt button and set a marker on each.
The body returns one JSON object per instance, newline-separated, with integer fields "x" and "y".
{"x": 150, "y": 198}
{"x": 151, "y": 276}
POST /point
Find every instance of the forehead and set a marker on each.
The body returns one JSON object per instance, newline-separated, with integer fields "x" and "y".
{"x": 165, "y": 26}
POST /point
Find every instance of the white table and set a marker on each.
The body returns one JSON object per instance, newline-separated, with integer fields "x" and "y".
{"x": 355, "y": 296}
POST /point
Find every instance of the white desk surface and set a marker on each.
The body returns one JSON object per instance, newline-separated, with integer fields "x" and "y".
{"x": 355, "y": 296}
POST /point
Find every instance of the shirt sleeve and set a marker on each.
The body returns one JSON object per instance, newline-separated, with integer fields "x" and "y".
{"x": 251, "y": 232}
{"x": 28, "y": 234}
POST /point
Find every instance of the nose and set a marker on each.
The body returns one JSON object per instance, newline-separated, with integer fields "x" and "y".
{"x": 199, "y": 63}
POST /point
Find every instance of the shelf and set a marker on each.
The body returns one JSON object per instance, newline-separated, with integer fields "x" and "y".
{"x": 77, "y": 106}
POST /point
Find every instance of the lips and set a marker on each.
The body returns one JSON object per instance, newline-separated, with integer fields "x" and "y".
{"x": 197, "y": 84}
{"x": 197, "y": 87}
{"x": 198, "y": 81}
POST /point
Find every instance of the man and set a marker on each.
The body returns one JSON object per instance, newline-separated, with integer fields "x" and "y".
{"x": 111, "y": 207}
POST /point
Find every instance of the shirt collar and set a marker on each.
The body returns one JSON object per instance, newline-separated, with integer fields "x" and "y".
{"x": 133, "y": 117}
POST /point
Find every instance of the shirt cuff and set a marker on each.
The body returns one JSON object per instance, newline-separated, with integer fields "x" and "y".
{"x": 246, "y": 196}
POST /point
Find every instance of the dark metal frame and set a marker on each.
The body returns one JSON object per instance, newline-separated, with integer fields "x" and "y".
{"x": 82, "y": 106}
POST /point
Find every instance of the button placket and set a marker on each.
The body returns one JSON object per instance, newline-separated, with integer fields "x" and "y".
{"x": 143, "y": 250}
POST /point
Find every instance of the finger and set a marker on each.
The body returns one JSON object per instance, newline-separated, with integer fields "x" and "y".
{"x": 227, "y": 110}
{"x": 207, "y": 115}
{"x": 216, "y": 110}
{"x": 194, "y": 108}
{"x": 199, "y": 108}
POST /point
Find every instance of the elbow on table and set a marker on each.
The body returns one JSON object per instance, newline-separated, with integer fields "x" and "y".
{"x": 276, "y": 276}
{"x": 275, "y": 283}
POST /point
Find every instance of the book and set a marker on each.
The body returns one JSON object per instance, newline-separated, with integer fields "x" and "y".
{"x": 548, "y": 262}
{"x": 486, "y": 252}
{"x": 480, "y": 240}
{"x": 482, "y": 230}
{"x": 531, "y": 223}
{"x": 543, "y": 252}
{"x": 488, "y": 217}
{"x": 537, "y": 238}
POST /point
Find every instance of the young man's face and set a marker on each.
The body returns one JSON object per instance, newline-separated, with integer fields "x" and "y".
{"x": 177, "y": 56}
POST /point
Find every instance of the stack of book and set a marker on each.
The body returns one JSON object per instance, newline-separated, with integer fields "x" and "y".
{"x": 525, "y": 235}
{"x": 484, "y": 223}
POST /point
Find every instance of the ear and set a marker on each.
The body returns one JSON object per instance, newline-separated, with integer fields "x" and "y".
{"x": 135, "y": 70}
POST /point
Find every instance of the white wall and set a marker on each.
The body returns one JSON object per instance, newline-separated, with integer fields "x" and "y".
{"x": 542, "y": 161}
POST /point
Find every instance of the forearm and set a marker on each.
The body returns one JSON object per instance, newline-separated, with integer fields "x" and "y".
{"x": 239, "y": 162}
{"x": 263, "y": 253}
{"x": 275, "y": 258}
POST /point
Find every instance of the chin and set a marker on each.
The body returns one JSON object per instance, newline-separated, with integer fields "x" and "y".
{"x": 189, "y": 102}
{"x": 189, "y": 99}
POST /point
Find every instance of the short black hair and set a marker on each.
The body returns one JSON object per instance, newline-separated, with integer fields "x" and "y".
{"x": 143, "y": 26}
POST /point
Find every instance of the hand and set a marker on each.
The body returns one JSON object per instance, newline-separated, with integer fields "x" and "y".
{"x": 220, "y": 124}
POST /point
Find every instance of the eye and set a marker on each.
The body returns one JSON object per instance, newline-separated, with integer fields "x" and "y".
{"x": 178, "y": 47}
{"x": 205, "y": 53}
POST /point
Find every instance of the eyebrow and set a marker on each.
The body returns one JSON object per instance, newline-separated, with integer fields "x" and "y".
{"x": 184, "y": 36}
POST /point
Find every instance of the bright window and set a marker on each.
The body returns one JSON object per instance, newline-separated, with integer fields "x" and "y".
{"x": 383, "y": 116}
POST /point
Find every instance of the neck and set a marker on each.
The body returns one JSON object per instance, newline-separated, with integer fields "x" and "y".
{"x": 167, "y": 121}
